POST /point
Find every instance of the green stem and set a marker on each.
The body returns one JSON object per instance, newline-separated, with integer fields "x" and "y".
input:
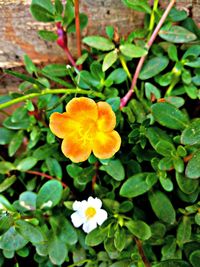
{"x": 51, "y": 91}
{"x": 171, "y": 87}
{"x": 124, "y": 65}
{"x": 152, "y": 18}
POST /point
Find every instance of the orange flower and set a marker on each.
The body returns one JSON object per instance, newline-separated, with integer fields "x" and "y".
{"x": 86, "y": 127}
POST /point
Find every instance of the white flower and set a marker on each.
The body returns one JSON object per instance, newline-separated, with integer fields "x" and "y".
{"x": 88, "y": 213}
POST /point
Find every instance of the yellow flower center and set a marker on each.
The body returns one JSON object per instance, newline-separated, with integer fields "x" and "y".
{"x": 90, "y": 212}
{"x": 87, "y": 131}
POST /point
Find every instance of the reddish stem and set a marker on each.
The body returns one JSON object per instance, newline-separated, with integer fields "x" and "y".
{"x": 62, "y": 42}
{"x": 78, "y": 30}
{"x": 129, "y": 94}
{"x": 46, "y": 176}
{"x": 94, "y": 178}
{"x": 141, "y": 252}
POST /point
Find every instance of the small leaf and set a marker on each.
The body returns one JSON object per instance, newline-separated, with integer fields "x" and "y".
{"x": 57, "y": 251}
{"x": 187, "y": 185}
{"x": 109, "y": 60}
{"x": 139, "y": 229}
{"x": 26, "y": 164}
{"x": 195, "y": 258}
{"x": 139, "y": 5}
{"x": 137, "y": 185}
{"x": 132, "y": 51}
{"x": 162, "y": 207}
{"x": 172, "y": 263}
{"x": 169, "y": 116}
{"x": 30, "y": 67}
{"x": 28, "y": 200}
{"x": 120, "y": 238}
{"x": 153, "y": 66}
{"x": 184, "y": 231}
{"x": 99, "y": 42}
{"x": 7, "y": 183}
{"x": 96, "y": 237}
{"x": 177, "y": 34}
{"x": 6, "y": 167}
{"x": 191, "y": 135}
{"x": 117, "y": 76}
{"x": 6, "y": 136}
{"x": 29, "y": 232}
{"x": 115, "y": 169}
{"x": 42, "y": 10}
{"x": 193, "y": 167}
{"x": 49, "y": 194}
{"x": 57, "y": 70}
{"x": 15, "y": 143}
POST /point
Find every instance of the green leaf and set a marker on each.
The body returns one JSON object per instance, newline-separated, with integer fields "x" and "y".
{"x": 184, "y": 231}
{"x": 139, "y": 228}
{"x": 6, "y": 167}
{"x": 30, "y": 66}
{"x": 7, "y": 183}
{"x": 68, "y": 13}
{"x": 191, "y": 135}
{"x": 114, "y": 102}
{"x": 117, "y": 76}
{"x": 83, "y": 23}
{"x": 122, "y": 263}
{"x": 29, "y": 232}
{"x": 172, "y": 263}
{"x": 99, "y": 43}
{"x": 177, "y": 15}
{"x": 195, "y": 258}
{"x": 132, "y": 51}
{"x": 139, "y": 5}
{"x": 110, "y": 31}
{"x": 12, "y": 240}
{"x": 58, "y": 7}
{"x": 45, "y": 151}
{"x": 5, "y": 204}
{"x": 26, "y": 164}
{"x": 82, "y": 59}
{"x": 15, "y": 143}
{"x": 109, "y": 60}
{"x": 187, "y": 185}
{"x": 137, "y": 185}
{"x": 57, "y": 251}
{"x": 6, "y": 221}
{"x": 193, "y": 167}
{"x": 42, "y": 10}
{"x": 67, "y": 233}
{"x": 6, "y": 136}
{"x": 169, "y": 116}
{"x": 49, "y": 194}
{"x": 115, "y": 169}
{"x": 153, "y": 66}
{"x": 27, "y": 200}
{"x": 177, "y": 34}
{"x": 54, "y": 167}
{"x": 172, "y": 52}
{"x": 165, "y": 148}
{"x": 57, "y": 70}
{"x": 120, "y": 238}
{"x": 151, "y": 90}
{"x": 96, "y": 237}
{"x": 48, "y": 35}
{"x": 162, "y": 207}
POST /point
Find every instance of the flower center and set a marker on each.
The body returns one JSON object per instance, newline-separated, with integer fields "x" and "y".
{"x": 90, "y": 212}
{"x": 87, "y": 131}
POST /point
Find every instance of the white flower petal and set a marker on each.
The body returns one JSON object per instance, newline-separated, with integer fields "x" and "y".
{"x": 89, "y": 225}
{"x": 77, "y": 219}
{"x": 101, "y": 216}
{"x": 95, "y": 202}
{"x": 78, "y": 204}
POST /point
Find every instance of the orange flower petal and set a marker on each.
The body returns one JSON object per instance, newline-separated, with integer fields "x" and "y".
{"x": 106, "y": 119}
{"x": 105, "y": 145}
{"x": 60, "y": 124}
{"x": 82, "y": 109}
{"x": 76, "y": 150}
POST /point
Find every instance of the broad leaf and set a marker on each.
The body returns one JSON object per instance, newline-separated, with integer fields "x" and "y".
{"x": 133, "y": 51}
{"x": 99, "y": 43}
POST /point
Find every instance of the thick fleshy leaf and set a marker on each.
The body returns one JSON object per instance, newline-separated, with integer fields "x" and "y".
{"x": 133, "y": 51}
{"x": 109, "y": 60}
{"x": 169, "y": 116}
{"x": 138, "y": 184}
{"x": 98, "y": 42}
{"x": 153, "y": 66}
{"x": 162, "y": 207}
{"x": 191, "y": 135}
{"x": 139, "y": 229}
{"x": 193, "y": 167}
{"x": 177, "y": 34}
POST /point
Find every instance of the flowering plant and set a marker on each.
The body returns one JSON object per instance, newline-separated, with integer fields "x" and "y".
{"x": 99, "y": 166}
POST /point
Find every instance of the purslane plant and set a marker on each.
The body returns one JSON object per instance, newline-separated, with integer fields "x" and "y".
{"x": 136, "y": 196}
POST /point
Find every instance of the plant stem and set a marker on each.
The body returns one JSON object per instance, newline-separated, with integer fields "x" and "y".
{"x": 46, "y": 176}
{"x": 62, "y": 42}
{"x": 141, "y": 252}
{"x": 124, "y": 65}
{"x": 52, "y": 91}
{"x": 78, "y": 30}
{"x": 129, "y": 94}
{"x": 152, "y": 18}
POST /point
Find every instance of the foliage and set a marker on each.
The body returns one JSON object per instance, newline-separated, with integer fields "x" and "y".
{"x": 150, "y": 188}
